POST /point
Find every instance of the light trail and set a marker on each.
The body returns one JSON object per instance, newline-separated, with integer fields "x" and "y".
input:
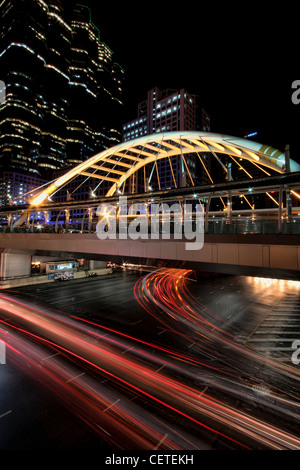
{"x": 141, "y": 379}
{"x": 140, "y": 371}
{"x": 191, "y": 317}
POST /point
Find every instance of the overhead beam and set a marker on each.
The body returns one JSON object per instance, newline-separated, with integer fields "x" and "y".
{"x": 129, "y": 157}
{"x": 111, "y": 170}
{"x": 117, "y": 162}
{"x": 99, "y": 177}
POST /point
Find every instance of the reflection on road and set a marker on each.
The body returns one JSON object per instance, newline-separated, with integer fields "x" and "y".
{"x": 156, "y": 396}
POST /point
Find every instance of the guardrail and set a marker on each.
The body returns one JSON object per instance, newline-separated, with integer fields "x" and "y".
{"x": 214, "y": 225}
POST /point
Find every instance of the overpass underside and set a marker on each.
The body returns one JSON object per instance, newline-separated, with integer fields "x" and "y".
{"x": 274, "y": 256}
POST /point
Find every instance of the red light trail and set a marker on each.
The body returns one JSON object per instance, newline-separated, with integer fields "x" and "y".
{"x": 101, "y": 350}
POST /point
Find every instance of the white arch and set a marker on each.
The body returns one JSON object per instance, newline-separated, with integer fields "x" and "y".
{"x": 130, "y": 156}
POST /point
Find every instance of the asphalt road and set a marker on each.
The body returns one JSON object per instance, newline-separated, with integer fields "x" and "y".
{"x": 264, "y": 314}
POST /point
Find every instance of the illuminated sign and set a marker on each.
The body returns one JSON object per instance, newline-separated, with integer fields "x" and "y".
{"x": 250, "y": 135}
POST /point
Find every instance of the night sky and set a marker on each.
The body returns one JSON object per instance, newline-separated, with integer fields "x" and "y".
{"x": 242, "y": 61}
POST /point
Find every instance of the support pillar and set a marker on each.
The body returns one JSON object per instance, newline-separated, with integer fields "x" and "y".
{"x": 15, "y": 265}
{"x": 96, "y": 264}
{"x": 280, "y": 212}
{"x": 206, "y": 214}
{"x": 288, "y": 206}
{"x": 229, "y": 209}
{"x": 67, "y": 214}
{"x": 90, "y": 220}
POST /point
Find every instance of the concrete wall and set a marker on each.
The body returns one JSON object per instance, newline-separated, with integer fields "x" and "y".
{"x": 272, "y": 253}
{"x": 15, "y": 264}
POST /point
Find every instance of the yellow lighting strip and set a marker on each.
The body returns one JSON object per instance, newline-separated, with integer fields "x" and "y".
{"x": 271, "y": 197}
{"x": 207, "y": 172}
{"x": 92, "y": 175}
{"x": 157, "y": 149}
{"x": 182, "y": 142}
{"x": 234, "y": 149}
{"x": 117, "y": 162}
{"x": 141, "y": 152}
{"x": 110, "y": 170}
{"x": 129, "y": 157}
{"x": 253, "y": 155}
{"x": 241, "y": 167}
{"x": 295, "y": 194}
{"x": 251, "y": 207}
{"x": 200, "y": 144}
{"x": 217, "y": 146}
{"x": 262, "y": 169}
{"x": 268, "y": 194}
{"x": 157, "y": 173}
{"x": 170, "y": 146}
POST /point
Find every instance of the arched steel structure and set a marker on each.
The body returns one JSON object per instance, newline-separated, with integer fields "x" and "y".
{"x": 117, "y": 164}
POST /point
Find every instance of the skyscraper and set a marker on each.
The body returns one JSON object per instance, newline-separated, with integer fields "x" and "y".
{"x": 165, "y": 111}
{"x": 62, "y": 87}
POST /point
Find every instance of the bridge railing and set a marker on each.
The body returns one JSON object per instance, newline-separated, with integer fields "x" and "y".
{"x": 238, "y": 224}
{"x": 256, "y": 225}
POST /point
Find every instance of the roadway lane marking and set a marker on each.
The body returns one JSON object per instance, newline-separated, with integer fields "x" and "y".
{"x": 49, "y": 357}
{"x": 255, "y": 329}
{"x": 5, "y": 414}
{"x": 161, "y": 332}
{"x": 278, "y": 332}
{"x": 273, "y": 348}
{"x": 282, "y": 321}
{"x": 160, "y": 368}
{"x": 110, "y": 406}
{"x": 102, "y": 429}
{"x": 271, "y": 340}
{"x": 203, "y": 391}
{"x": 160, "y": 442}
{"x": 133, "y": 398}
{"x": 126, "y": 350}
{"x": 76, "y": 377}
{"x": 136, "y": 322}
{"x": 285, "y": 314}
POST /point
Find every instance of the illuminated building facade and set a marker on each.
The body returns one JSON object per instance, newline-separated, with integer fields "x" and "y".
{"x": 63, "y": 88}
{"x": 166, "y": 111}
{"x": 18, "y": 188}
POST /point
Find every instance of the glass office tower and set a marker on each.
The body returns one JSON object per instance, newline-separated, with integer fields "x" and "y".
{"x": 63, "y": 88}
{"x": 166, "y": 111}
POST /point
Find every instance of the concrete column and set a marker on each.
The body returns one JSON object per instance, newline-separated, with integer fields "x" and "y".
{"x": 280, "y": 212}
{"x": 288, "y": 206}
{"x": 15, "y": 265}
{"x": 96, "y": 264}
{"x": 67, "y": 218}
{"x": 90, "y": 219}
{"x": 229, "y": 209}
{"x": 206, "y": 214}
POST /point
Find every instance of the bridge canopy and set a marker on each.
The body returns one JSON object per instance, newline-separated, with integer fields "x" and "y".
{"x": 116, "y": 165}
